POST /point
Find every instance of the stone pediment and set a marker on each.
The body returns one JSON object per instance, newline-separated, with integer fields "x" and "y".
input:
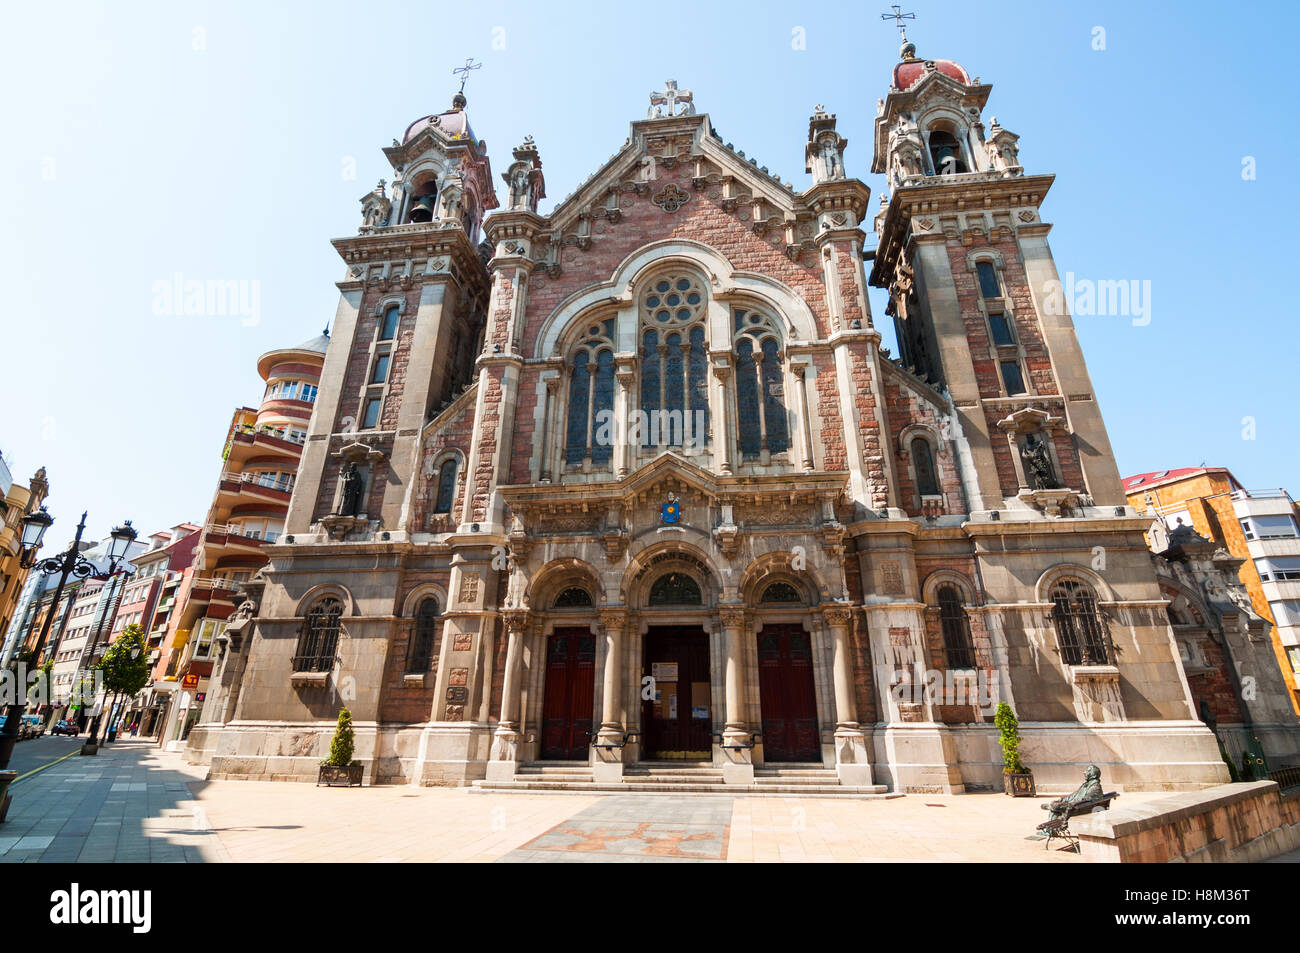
{"x": 651, "y": 159}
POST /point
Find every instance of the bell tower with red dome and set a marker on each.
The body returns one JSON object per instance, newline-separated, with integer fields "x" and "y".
{"x": 975, "y": 295}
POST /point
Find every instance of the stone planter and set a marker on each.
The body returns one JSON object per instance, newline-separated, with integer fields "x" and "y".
{"x": 6, "y": 778}
{"x": 1019, "y": 785}
{"x": 336, "y": 777}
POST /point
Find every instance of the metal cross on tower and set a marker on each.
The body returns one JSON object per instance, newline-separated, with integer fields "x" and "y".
{"x": 464, "y": 71}
{"x": 898, "y": 16}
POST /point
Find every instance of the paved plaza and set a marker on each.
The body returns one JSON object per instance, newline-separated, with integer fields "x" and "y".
{"x": 134, "y": 803}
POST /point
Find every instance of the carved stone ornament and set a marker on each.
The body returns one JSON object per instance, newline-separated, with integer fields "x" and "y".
{"x": 671, "y": 198}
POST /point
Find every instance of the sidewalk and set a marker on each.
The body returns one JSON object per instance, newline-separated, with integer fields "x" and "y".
{"x": 121, "y": 805}
{"x": 135, "y": 803}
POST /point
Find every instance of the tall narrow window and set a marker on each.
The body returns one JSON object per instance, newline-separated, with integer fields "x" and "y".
{"x": 674, "y": 363}
{"x": 370, "y": 419}
{"x": 760, "y": 389}
{"x": 446, "y": 487}
{"x": 1000, "y": 328}
{"x": 589, "y": 434}
{"x": 1078, "y": 627}
{"x": 319, "y": 636}
{"x": 380, "y": 373}
{"x": 388, "y": 328}
{"x": 988, "y": 276}
{"x": 1012, "y": 378}
{"x": 927, "y": 481}
{"x": 420, "y": 654}
{"x": 957, "y": 645}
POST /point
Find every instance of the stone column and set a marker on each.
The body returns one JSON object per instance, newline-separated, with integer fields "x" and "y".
{"x": 505, "y": 744}
{"x": 738, "y": 762}
{"x": 852, "y": 761}
{"x": 800, "y": 369}
{"x": 607, "y": 765}
{"x": 552, "y": 385}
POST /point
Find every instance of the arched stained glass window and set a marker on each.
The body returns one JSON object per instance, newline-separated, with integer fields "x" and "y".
{"x": 424, "y": 639}
{"x": 675, "y": 589}
{"x": 446, "y": 494}
{"x": 957, "y": 644}
{"x": 674, "y": 363}
{"x": 927, "y": 481}
{"x": 572, "y": 598}
{"x": 1078, "y": 626}
{"x": 762, "y": 423}
{"x": 781, "y": 592}
{"x": 588, "y": 435}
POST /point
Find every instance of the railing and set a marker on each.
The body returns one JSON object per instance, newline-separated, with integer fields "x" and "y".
{"x": 1276, "y": 494}
{"x": 1287, "y": 778}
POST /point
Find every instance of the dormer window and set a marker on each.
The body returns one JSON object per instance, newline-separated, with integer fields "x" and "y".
{"x": 945, "y": 153}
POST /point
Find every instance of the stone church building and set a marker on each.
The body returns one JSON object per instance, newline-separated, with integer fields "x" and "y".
{"x": 633, "y": 490}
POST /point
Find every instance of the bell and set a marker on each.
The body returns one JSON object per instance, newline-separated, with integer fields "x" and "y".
{"x": 422, "y": 210}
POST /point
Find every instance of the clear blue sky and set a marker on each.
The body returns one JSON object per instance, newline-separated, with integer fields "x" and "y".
{"x": 219, "y": 140}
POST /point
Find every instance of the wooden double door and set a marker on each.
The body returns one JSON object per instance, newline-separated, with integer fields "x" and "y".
{"x": 570, "y": 695}
{"x": 677, "y": 720}
{"x": 787, "y": 694}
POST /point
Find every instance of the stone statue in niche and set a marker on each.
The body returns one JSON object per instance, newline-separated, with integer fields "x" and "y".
{"x": 1039, "y": 471}
{"x": 519, "y": 187}
{"x": 832, "y": 160}
{"x": 907, "y": 149}
{"x": 352, "y": 483}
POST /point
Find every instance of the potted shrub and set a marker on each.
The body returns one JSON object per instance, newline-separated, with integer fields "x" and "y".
{"x": 339, "y": 769}
{"x": 1017, "y": 780}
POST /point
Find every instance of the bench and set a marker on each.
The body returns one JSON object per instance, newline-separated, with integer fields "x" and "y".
{"x": 1060, "y": 827}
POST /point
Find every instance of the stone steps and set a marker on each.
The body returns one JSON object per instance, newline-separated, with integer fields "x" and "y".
{"x": 649, "y": 786}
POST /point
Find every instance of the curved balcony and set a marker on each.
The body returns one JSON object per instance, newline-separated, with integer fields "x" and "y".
{"x": 247, "y": 441}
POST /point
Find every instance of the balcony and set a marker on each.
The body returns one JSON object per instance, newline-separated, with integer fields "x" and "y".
{"x": 245, "y": 487}
{"x": 247, "y": 441}
{"x": 224, "y": 534}
{"x": 1247, "y": 503}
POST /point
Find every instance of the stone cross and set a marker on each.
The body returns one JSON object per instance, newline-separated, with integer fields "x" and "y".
{"x": 670, "y": 96}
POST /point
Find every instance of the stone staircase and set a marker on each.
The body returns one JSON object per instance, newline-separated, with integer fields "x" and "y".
{"x": 667, "y": 777}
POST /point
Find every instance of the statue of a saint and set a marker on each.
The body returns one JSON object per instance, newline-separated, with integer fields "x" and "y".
{"x": 351, "y": 503}
{"x": 1038, "y": 465}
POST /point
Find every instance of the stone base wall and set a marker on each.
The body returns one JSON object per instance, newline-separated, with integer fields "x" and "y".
{"x": 1230, "y": 823}
{"x": 1133, "y": 756}
{"x": 426, "y": 755}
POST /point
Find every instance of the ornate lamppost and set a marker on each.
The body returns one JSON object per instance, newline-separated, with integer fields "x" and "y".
{"x": 69, "y": 563}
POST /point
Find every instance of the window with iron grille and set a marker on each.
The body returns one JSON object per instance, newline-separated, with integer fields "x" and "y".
{"x": 428, "y": 618}
{"x": 1078, "y": 626}
{"x": 319, "y": 638}
{"x": 957, "y": 644}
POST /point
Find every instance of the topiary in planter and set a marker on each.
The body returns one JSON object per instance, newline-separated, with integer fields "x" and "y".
{"x": 1018, "y": 780}
{"x": 340, "y": 767}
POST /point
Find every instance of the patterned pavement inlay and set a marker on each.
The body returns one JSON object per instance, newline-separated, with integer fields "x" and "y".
{"x": 636, "y": 829}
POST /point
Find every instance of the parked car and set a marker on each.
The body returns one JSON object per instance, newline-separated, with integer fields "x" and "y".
{"x": 30, "y": 727}
{"x": 64, "y": 728}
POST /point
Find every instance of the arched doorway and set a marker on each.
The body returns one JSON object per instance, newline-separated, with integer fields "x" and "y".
{"x": 677, "y": 715}
{"x": 567, "y": 709}
{"x": 786, "y": 686}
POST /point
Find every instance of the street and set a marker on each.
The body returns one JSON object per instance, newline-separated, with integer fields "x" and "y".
{"x": 31, "y": 754}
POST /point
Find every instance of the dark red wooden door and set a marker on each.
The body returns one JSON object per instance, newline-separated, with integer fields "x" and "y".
{"x": 678, "y": 721}
{"x": 570, "y": 694}
{"x": 787, "y": 695}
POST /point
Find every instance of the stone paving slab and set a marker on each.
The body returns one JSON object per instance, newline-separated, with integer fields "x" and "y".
{"x": 134, "y": 803}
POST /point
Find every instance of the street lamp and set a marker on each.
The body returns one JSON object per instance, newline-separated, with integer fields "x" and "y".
{"x": 69, "y": 563}
{"x": 34, "y": 527}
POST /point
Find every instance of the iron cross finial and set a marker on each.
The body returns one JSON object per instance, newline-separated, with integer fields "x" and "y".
{"x": 464, "y": 71}
{"x": 898, "y": 16}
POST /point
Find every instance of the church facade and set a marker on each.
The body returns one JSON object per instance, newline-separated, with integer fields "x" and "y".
{"x": 635, "y": 483}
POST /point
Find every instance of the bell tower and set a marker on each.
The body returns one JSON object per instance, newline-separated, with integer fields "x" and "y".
{"x": 975, "y": 295}
{"x": 408, "y": 325}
